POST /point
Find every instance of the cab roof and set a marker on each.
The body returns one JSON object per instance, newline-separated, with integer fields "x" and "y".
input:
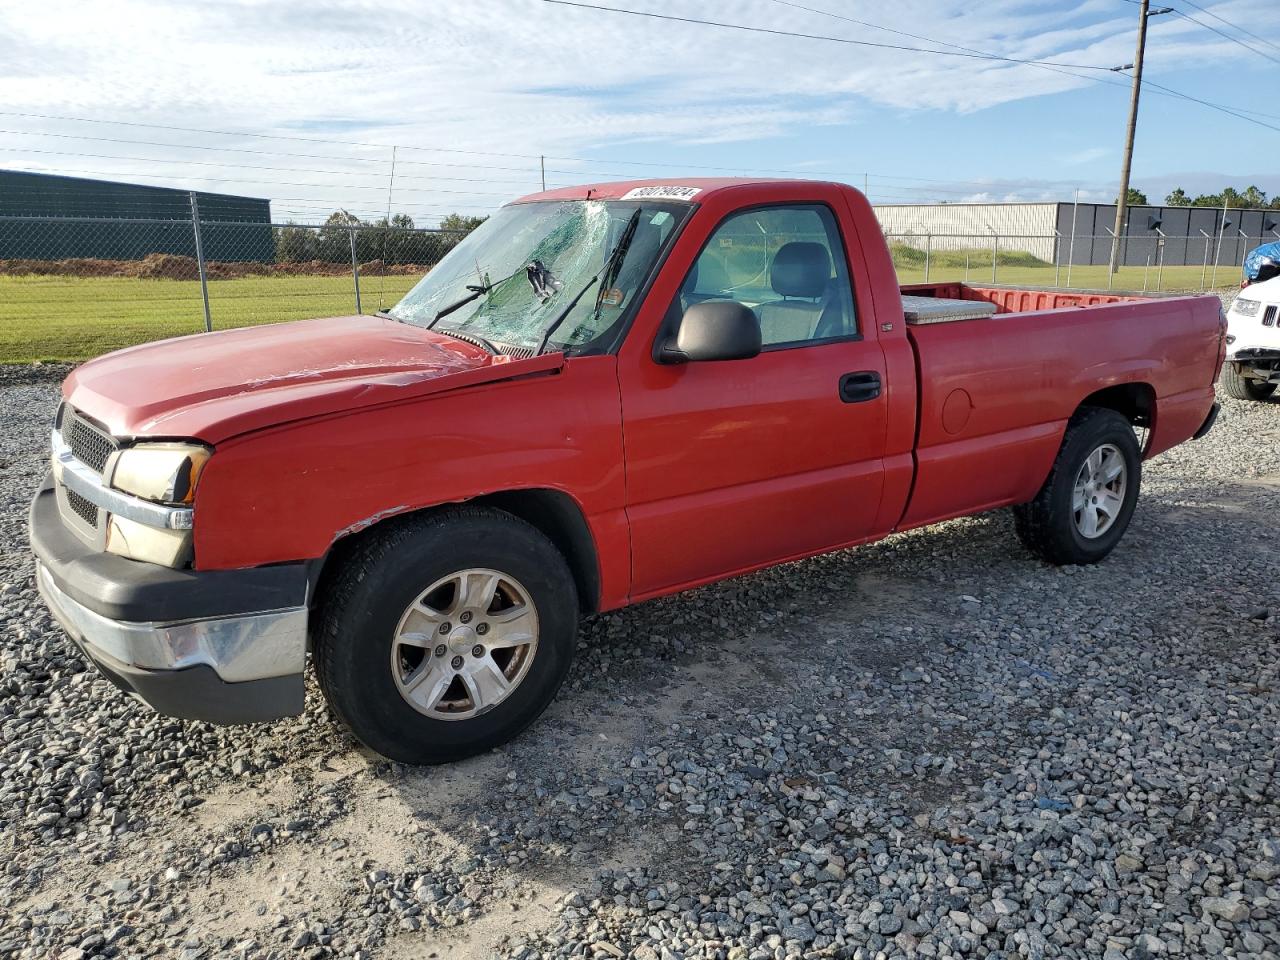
{"x": 700, "y": 188}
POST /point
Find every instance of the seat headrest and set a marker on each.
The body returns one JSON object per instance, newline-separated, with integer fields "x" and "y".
{"x": 800, "y": 269}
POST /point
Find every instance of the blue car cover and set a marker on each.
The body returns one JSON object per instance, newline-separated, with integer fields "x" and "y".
{"x": 1262, "y": 263}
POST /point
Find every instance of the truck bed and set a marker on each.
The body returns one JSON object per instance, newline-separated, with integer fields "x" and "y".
{"x": 996, "y": 392}
{"x": 961, "y": 299}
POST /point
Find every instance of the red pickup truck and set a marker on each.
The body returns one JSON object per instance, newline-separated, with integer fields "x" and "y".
{"x": 603, "y": 394}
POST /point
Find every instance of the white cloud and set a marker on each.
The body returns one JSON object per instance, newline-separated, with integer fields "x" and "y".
{"x": 516, "y": 77}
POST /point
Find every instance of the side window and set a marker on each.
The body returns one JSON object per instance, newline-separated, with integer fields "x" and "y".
{"x": 785, "y": 263}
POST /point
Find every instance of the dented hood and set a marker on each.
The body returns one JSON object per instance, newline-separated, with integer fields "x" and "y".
{"x": 215, "y": 386}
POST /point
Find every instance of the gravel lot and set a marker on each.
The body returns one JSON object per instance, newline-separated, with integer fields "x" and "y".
{"x": 930, "y": 747}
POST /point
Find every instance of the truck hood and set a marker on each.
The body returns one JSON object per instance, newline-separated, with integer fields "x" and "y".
{"x": 214, "y": 386}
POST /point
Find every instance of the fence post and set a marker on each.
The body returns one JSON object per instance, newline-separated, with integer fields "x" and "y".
{"x": 995, "y": 254}
{"x": 1071, "y": 247}
{"x": 1159, "y": 259}
{"x": 1057, "y": 257}
{"x": 1115, "y": 248}
{"x": 1204, "y": 271}
{"x": 355, "y": 265}
{"x": 204, "y": 280}
{"x": 1217, "y": 256}
{"x": 928, "y": 254}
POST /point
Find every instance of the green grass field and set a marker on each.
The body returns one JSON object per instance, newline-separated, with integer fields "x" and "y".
{"x": 69, "y": 318}
{"x": 74, "y": 318}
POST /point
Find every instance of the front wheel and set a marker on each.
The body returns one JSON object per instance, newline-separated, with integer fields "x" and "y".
{"x": 1239, "y": 387}
{"x": 446, "y": 635}
{"x": 1085, "y": 505}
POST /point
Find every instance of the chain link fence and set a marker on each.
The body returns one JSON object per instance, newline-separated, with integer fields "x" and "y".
{"x": 74, "y": 287}
{"x": 1152, "y": 264}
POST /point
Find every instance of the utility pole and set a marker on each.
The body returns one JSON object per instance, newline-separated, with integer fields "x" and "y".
{"x": 1122, "y": 198}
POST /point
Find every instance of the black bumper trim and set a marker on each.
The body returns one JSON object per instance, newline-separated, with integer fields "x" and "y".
{"x": 122, "y": 589}
{"x": 1253, "y": 354}
{"x": 1208, "y": 421}
{"x": 198, "y": 693}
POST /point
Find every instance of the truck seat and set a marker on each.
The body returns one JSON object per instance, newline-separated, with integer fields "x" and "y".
{"x": 799, "y": 273}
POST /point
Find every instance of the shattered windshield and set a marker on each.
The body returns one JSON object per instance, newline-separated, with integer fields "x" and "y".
{"x": 514, "y": 279}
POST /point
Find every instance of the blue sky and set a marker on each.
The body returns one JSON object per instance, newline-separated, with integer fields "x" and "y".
{"x": 473, "y": 92}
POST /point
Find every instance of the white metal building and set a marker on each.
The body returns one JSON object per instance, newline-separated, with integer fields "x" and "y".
{"x": 1081, "y": 233}
{"x": 958, "y": 226}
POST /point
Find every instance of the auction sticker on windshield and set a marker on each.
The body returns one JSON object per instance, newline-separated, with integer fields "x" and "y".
{"x": 662, "y": 193}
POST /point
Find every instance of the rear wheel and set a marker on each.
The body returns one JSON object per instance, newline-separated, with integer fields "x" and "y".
{"x": 1239, "y": 387}
{"x": 447, "y": 634}
{"x": 1085, "y": 505}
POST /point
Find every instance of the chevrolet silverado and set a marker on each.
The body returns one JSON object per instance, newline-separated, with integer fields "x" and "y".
{"x": 603, "y": 394}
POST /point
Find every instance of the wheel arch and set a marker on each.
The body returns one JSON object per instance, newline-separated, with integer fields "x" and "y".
{"x": 553, "y": 513}
{"x": 1135, "y": 401}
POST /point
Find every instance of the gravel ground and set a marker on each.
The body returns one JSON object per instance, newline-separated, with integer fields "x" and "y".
{"x": 930, "y": 747}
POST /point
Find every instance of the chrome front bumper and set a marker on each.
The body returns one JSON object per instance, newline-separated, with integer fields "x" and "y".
{"x": 229, "y": 669}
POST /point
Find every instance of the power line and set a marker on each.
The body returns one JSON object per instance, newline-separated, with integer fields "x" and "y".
{"x": 1213, "y": 106}
{"x": 868, "y": 43}
{"x": 221, "y": 133}
{"x": 379, "y": 160}
{"x": 471, "y": 164}
{"x": 943, "y": 43}
{"x": 1163, "y": 90}
{"x": 285, "y": 183}
{"x": 250, "y": 166}
{"x": 1225, "y": 35}
{"x": 1247, "y": 33}
{"x": 815, "y": 36}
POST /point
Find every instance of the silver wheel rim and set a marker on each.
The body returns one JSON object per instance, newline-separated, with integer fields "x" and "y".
{"x": 465, "y": 644}
{"x": 1098, "y": 494}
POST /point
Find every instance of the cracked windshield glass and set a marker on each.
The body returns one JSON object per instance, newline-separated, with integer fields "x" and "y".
{"x": 563, "y": 272}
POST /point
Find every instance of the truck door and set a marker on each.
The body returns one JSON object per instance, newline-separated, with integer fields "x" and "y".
{"x": 737, "y": 464}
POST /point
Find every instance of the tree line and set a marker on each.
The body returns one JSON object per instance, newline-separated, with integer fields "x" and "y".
{"x": 394, "y": 240}
{"x": 1249, "y": 198}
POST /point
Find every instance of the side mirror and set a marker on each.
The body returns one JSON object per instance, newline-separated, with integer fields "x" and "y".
{"x": 715, "y": 330}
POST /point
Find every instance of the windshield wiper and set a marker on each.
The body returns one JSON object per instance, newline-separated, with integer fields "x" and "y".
{"x": 476, "y": 290}
{"x": 608, "y": 272}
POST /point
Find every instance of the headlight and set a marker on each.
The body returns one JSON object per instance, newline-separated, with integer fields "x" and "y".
{"x": 163, "y": 472}
{"x": 1245, "y": 308}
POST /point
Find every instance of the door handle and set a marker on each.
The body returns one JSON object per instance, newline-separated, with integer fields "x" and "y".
{"x": 860, "y": 387}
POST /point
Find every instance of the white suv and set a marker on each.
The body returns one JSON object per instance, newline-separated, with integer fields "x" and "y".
{"x": 1252, "y": 370}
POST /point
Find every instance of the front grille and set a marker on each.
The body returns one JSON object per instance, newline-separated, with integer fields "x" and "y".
{"x": 1269, "y": 317}
{"x": 88, "y": 444}
{"x": 82, "y": 508}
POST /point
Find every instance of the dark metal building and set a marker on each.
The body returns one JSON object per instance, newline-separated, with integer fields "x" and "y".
{"x": 49, "y": 217}
{"x": 1178, "y": 235}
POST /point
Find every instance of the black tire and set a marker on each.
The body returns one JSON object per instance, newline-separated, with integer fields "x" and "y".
{"x": 1047, "y": 525}
{"x": 363, "y": 602}
{"x": 1240, "y": 387}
